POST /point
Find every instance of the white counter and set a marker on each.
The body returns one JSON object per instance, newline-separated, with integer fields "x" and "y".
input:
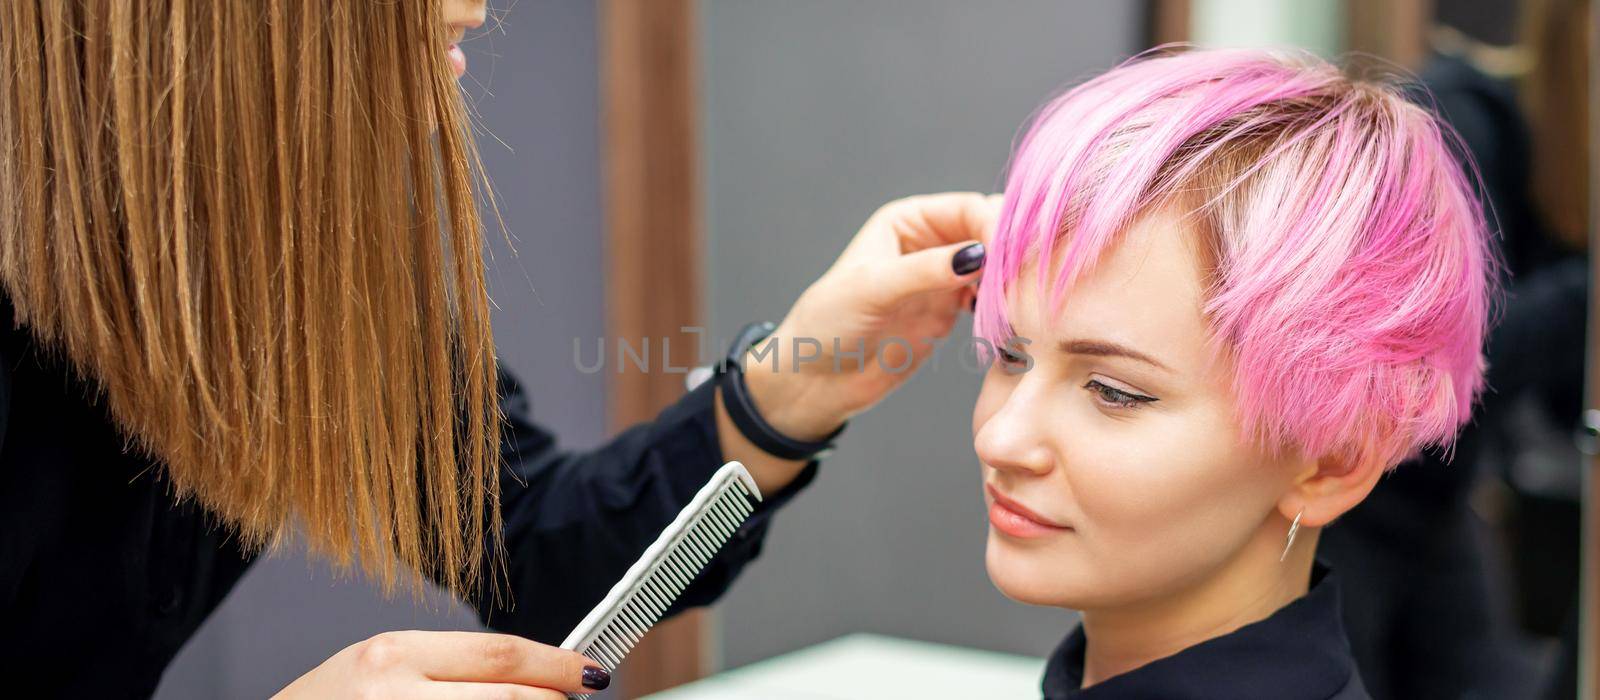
{"x": 872, "y": 666}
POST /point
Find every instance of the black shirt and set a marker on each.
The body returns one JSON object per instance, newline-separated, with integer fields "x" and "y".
{"x": 1297, "y": 653}
{"x": 103, "y": 577}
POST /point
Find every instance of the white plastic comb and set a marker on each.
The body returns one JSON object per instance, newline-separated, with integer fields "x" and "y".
{"x": 650, "y": 586}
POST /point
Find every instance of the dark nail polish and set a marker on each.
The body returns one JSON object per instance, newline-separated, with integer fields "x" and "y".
{"x": 596, "y": 678}
{"x": 968, "y": 259}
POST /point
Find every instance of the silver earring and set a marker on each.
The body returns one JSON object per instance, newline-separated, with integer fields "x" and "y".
{"x": 1294, "y": 527}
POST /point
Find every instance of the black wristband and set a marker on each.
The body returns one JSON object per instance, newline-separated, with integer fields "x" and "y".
{"x": 742, "y": 409}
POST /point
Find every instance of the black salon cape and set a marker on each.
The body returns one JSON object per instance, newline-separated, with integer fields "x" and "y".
{"x": 1298, "y": 653}
{"x": 103, "y": 577}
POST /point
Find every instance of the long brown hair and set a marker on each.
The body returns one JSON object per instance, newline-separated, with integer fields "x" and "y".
{"x": 251, "y": 224}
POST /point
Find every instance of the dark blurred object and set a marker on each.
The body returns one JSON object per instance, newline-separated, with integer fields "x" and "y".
{"x": 1556, "y": 96}
{"x": 1545, "y": 561}
{"x": 1493, "y": 23}
{"x": 1427, "y": 616}
{"x": 1453, "y": 571}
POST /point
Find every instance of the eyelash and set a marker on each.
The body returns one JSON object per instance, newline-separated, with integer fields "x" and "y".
{"x": 1123, "y": 399}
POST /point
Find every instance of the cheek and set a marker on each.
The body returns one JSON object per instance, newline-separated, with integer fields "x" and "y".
{"x": 1169, "y": 500}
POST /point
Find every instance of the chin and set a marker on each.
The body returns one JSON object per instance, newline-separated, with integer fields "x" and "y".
{"x": 1035, "y": 575}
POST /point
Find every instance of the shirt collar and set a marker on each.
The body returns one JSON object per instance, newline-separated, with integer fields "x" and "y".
{"x": 1300, "y": 651}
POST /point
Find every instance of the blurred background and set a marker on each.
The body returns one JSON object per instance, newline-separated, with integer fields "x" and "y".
{"x": 666, "y": 163}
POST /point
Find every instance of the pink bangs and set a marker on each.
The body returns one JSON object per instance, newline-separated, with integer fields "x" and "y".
{"x": 1354, "y": 275}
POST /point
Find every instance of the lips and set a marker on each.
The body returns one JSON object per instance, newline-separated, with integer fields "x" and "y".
{"x": 458, "y": 60}
{"x": 1015, "y": 519}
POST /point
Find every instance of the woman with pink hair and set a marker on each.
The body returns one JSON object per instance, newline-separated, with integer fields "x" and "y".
{"x": 1228, "y": 290}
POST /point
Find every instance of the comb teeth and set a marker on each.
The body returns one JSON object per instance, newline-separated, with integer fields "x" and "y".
{"x": 667, "y": 579}
{"x": 670, "y": 564}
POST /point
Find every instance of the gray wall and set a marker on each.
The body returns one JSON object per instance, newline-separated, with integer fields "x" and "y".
{"x": 815, "y": 113}
{"x": 289, "y": 614}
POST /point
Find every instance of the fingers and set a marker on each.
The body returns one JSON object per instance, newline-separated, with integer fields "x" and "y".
{"x": 948, "y": 217}
{"x": 491, "y": 658}
{"x": 943, "y": 268}
{"x": 989, "y": 213}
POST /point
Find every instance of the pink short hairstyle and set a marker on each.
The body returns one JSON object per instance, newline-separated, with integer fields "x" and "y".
{"x": 1351, "y": 278}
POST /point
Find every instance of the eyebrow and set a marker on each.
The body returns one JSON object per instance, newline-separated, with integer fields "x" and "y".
{"x": 1106, "y": 348}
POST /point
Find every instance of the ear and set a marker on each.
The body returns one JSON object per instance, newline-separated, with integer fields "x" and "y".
{"x": 1327, "y": 489}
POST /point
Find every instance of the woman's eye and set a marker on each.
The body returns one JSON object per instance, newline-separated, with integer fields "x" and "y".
{"x": 1117, "y": 398}
{"x": 1007, "y": 357}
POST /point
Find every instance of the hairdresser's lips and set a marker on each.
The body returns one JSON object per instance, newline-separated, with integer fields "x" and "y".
{"x": 1016, "y": 520}
{"x": 458, "y": 60}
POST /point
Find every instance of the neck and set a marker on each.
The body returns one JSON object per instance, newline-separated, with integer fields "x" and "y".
{"x": 1247, "y": 589}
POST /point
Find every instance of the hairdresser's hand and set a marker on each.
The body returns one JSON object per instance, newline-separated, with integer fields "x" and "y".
{"x": 449, "y": 665}
{"x": 897, "y": 290}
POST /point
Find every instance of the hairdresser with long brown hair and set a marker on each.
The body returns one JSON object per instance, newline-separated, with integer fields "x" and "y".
{"x": 243, "y": 297}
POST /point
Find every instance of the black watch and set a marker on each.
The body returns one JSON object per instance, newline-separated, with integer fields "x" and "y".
{"x": 729, "y": 373}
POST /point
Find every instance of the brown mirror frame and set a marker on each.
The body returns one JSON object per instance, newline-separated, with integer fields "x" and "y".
{"x": 653, "y": 249}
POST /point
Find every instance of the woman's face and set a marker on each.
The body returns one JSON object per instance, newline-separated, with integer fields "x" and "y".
{"x": 459, "y": 16}
{"x": 1113, "y": 468}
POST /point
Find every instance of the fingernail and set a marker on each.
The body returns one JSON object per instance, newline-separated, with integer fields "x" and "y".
{"x": 973, "y": 304}
{"x": 968, "y": 259}
{"x": 595, "y": 678}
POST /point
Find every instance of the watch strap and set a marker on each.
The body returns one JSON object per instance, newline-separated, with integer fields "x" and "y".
{"x": 742, "y": 409}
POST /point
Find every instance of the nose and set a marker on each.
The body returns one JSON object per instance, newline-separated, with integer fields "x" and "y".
{"x": 1015, "y": 438}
